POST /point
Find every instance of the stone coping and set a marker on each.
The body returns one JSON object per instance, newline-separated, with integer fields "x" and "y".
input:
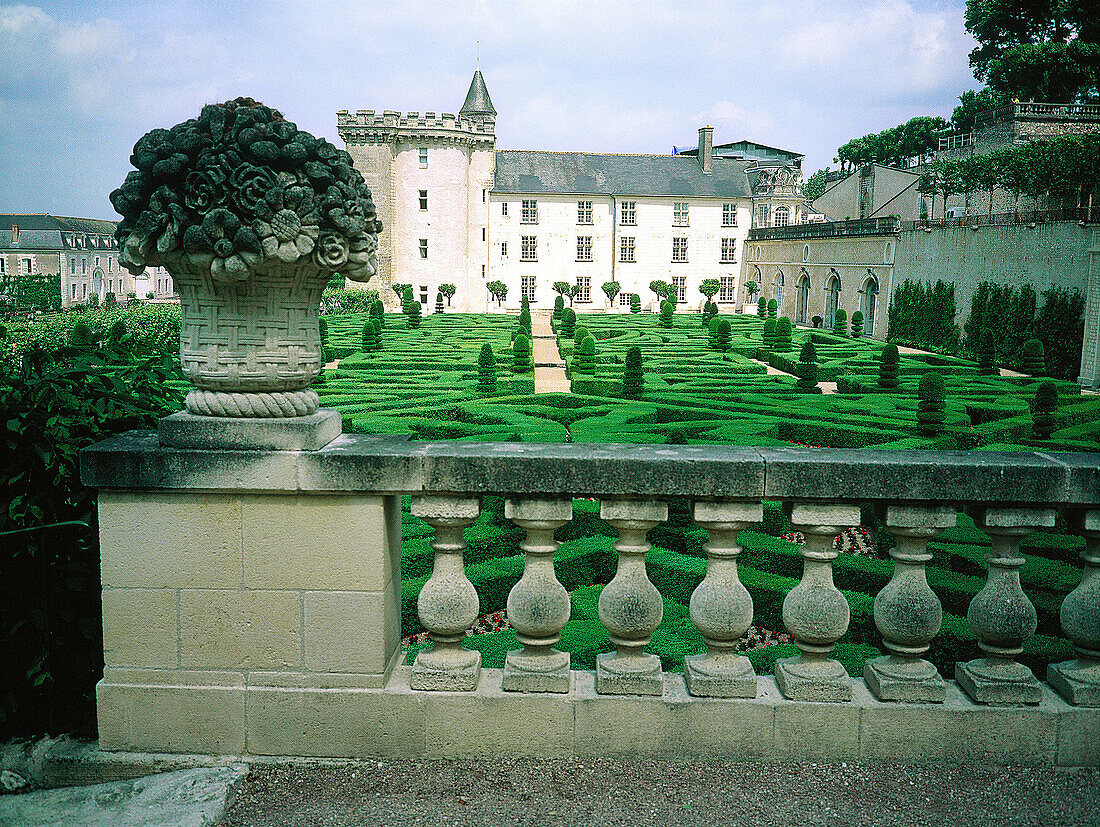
{"x": 359, "y": 463}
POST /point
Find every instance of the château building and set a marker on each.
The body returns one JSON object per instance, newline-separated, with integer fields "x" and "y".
{"x": 457, "y": 210}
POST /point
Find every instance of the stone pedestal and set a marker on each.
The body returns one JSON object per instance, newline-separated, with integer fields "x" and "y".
{"x": 298, "y": 433}
{"x": 630, "y": 607}
{"x": 1078, "y": 681}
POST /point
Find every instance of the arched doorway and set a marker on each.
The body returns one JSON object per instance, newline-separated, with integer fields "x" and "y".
{"x": 868, "y": 300}
{"x": 832, "y": 298}
{"x": 97, "y": 283}
{"x": 779, "y": 289}
{"x": 803, "y": 298}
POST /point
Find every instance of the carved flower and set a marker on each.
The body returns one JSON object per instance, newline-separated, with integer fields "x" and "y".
{"x": 204, "y": 188}
{"x": 362, "y": 258}
{"x": 248, "y": 186}
{"x": 331, "y": 251}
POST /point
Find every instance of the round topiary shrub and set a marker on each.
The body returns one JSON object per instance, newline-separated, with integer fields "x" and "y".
{"x": 773, "y": 308}
{"x": 109, "y": 300}
{"x": 559, "y": 307}
{"x": 568, "y": 322}
{"x": 1042, "y": 414}
{"x": 784, "y": 330}
{"x": 768, "y": 334}
{"x": 1033, "y": 358}
{"x": 816, "y": 321}
{"x": 807, "y": 368}
{"x": 521, "y": 355}
{"x": 888, "y": 367}
{"x": 712, "y": 331}
{"x": 117, "y": 333}
{"x": 987, "y": 355}
{"x": 81, "y": 336}
{"x": 667, "y": 310}
{"x": 635, "y": 303}
{"x": 633, "y": 377}
{"x": 762, "y": 307}
{"x": 579, "y": 334}
{"x": 487, "y": 369}
{"x": 584, "y": 357}
{"x": 857, "y": 324}
{"x": 840, "y": 322}
{"x": 371, "y": 340}
{"x": 412, "y": 313}
{"x": 723, "y": 336}
{"x": 931, "y": 405}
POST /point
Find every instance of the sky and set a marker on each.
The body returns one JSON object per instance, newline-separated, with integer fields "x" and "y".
{"x": 80, "y": 82}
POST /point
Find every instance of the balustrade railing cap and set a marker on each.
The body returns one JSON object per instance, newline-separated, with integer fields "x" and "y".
{"x": 397, "y": 465}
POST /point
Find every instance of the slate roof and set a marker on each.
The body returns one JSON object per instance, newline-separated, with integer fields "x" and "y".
{"x": 477, "y": 98}
{"x": 584, "y": 173}
{"x": 42, "y": 231}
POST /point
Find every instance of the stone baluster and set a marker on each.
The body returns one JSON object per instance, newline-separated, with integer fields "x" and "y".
{"x": 907, "y": 611}
{"x": 538, "y": 605}
{"x": 1078, "y": 681}
{"x": 1001, "y": 615}
{"x": 815, "y": 612}
{"x": 630, "y": 606}
{"x": 721, "y": 606}
{"x": 448, "y": 603}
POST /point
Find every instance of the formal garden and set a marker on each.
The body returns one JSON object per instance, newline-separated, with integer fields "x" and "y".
{"x": 74, "y": 378}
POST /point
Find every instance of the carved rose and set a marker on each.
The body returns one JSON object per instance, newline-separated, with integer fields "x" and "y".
{"x": 331, "y": 251}
{"x": 248, "y": 186}
{"x": 204, "y": 188}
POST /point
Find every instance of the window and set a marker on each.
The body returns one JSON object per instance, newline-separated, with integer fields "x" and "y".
{"x": 679, "y": 284}
{"x": 483, "y": 195}
{"x": 763, "y": 214}
{"x": 423, "y": 199}
{"x": 782, "y": 217}
{"x": 624, "y": 299}
{"x": 72, "y": 266}
{"x": 423, "y": 295}
{"x": 28, "y": 265}
{"x": 529, "y": 214}
{"x": 725, "y": 289}
{"x": 584, "y": 212}
{"x": 679, "y": 249}
{"x": 504, "y": 249}
{"x": 584, "y": 248}
{"x": 483, "y": 271}
{"x": 97, "y": 261}
{"x": 504, "y": 208}
{"x": 584, "y": 291}
{"x": 74, "y": 291}
{"x": 805, "y": 252}
{"x": 528, "y": 248}
{"x": 483, "y": 231}
{"x": 729, "y": 215}
{"x": 3, "y": 265}
{"x": 110, "y": 285}
{"x": 110, "y": 264}
{"x": 423, "y": 248}
{"x": 626, "y": 248}
{"x": 628, "y": 214}
{"x": 423, "y": 157}
{"x": 679, "y": 213}
{"x": 527, "y": 287}
{"x": 84, "y": 265}
{"x": 84, "y": 290}
{"x": 729, "y": 250}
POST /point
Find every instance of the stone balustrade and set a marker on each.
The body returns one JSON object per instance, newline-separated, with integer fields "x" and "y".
{"x": 252, "y": 604}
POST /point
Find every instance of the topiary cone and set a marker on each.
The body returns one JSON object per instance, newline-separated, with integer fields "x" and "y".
{"x": 633, "y": 377}
{"x": 888, "y": 367}
{"x": 807, "y": 367}
{"x": 931, "y": 406}
{"x": 1042, "y": 415}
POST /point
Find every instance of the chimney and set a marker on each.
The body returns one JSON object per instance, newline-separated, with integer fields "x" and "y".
{"x": 706, "y": 147}
{"x": 14, "y": 233}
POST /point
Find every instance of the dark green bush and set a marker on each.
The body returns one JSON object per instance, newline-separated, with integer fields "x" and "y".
{"x": 932, "y": 395}
{"x": 762, "y": 307}
{"x": 816, "y": 321}
{"x": 857, "y": 324}
{"x": 371, "y": 340}
{"x": 840, "y": 322}
{"x": 667, "y": 310}
{"x": 773, "y": 308}
{"x": 888, "y": 367}
{"x": 723, "y": 336}
{"x": 633, "y": 376}
{"x": 987, "y": 355}
{"x": 768, "y": 333}
{"x": 635, "y": 303}
{"x": 807, "y": 368}
{"x": 784, "y": 330}
{"x": 584, "y": 357}
{"x": 1042, "y": 416}
{"x": 1033, "y": 358}
{"x": 568, "y": 321}
{"x": 438, "y": 302}
{"x": 521, "y": 355}
{"x": 559, "y": 307}
{"x": 487, "y": 370}
{"x": 412, "y": 314}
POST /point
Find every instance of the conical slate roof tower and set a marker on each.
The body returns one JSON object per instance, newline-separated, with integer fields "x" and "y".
{"x": 477, "y": 99}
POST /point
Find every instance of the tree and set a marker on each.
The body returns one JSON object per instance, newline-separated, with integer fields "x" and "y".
{"x": 768, "y": 333}
{"x": 412, "y": 314}
{"x": 559, "y": 306}
{"x": 633, "y": 376}
{"x": 783, "y": 332}
{"x": 773, "y": 308}
{"x": 931, "y": 405}
{"x": 722, "y": 336}
{"x": 971, "y": 103}
{"x": 708, "y": 287}
{"x": 487, "y": 369}
{"x": 371, "y": 340}
{"x": 574, "y": 291}
{"x": 888, "y": 367}
{"x": 917, "y": 137}
{"x": 562, "y": 288}
{"x": 762, "y": 307}
{"x": 807, "y": 369}
{"x": 840, "y": 322}
{"x": 667, "y": 310}
{"x": 662, "y": 289}
{"x": 439, "y": 302}
{"x": 857, "y": 324}
{"x": 521, "y": 355}
{"x": 1033, "y": 358}
{"x": 400, "y": 290}
{"x": 568, "y": 322}
{"x": 987, "y": 355}
{"x": 584, "y": 357}
{"x": 751, "y": 289}
{"x": 815, "y": 185}
{"x": 1042, "y": 414}
{"x": 498, "y": 290}
{"x": 449, "y": 291}
{"x": 611, "y": 290}
{"x": 635, "y": 303}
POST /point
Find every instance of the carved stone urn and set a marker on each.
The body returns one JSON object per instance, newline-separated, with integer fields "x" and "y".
{"x": 252, "y": 217}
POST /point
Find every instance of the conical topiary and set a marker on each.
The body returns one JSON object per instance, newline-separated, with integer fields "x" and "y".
{"x": 1042, "y": 414}
{"x": 524, "y": 303}
{"x": 521, "y": 355}
{"x": 762, "y": 307}
{"x": 584, "y": 357}
{"x": 987, "y": 355}
{"x": 667, "y": 309}
{"x": 371, "y": 340}
{"x": 1033, "y": 358}
{"x": 406, "y": 300}
{"x": 635, "y": 303}
{"x": 579, "y": 334}
{"x": 378, "y": 310}
{"x": 81, "y": 336}
{"x": 840, "y": 322}
{"x": 857, "y": 324}
{"x": 932, "y": 396}
{"x": 773, "y": 308}
{"x": 633, "y": 377}
{"x": 487, "y": 369}
{"x": 559, "y": 307}
{"x": 888, "y": 367}
{"x": 712, "y": 332}
{"x": 568, "y": 322}
{"x": 807, "y": 368}
{"x": 525, "y": 319}
{"x": 438, "y": 302}
{"x": 768, "y": 334}
{"x": 412, "y": 314}
{"x": 784, "y": 330}
{"x": 722, "y": 336}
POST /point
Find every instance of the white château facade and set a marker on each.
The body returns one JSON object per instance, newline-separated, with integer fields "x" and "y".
{"x": 456, "y": 210}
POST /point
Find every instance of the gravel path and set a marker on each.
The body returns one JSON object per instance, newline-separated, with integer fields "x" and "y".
{"x": 603, "y": 792}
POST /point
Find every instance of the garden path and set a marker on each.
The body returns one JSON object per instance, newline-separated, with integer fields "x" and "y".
{"x": 549, "y": 367}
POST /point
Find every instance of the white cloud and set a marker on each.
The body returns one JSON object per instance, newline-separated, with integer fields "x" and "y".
{"x": 17, "y": 18}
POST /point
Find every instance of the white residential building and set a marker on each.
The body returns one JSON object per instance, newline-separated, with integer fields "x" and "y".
{"x": 456, "y": 210}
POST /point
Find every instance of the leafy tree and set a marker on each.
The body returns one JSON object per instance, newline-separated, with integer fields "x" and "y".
{"x": 400, "y": 290}
{"x": 498, "y": 290}
{"x": 667, "y": 310}
{"x": 633, "y": 376}
{"x": 971, "y": 103}
{"x": 723, "y": 336}
{"x": 563, "y": 289}
{"x": 709, "y": 287}
{"x": 932, "y": 395}
{"x": 917, "y": 137}
{"x": 816, "y": 321}
{"x": 783, "y": 332}
{"x": 635, "y": 303}
{"x": 751, "y": 289}
{"x": 1033, "y": 358}
{"x": 1042, "y": 414}
{"x": 574, "y": 291}
{"x": 857, "y": 324}
{"x": 815, "y": 185}
{"x": 840, "y": 322}
{"x": 807, "y": 368}
{"x": 487, "y": 369}
{"x": 662, "y": 289}
{"x": 987, "y": 355}
{"x": 449, "y": 291}
{"x": 611, "y": 290}
{"x": 888, "y": 363}
{"x": 1060, "y": 325}
{"x": 109, "y": 300}
{"x": 521, "y": 355}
